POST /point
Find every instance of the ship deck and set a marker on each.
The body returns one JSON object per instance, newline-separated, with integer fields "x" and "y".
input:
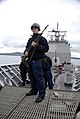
{"x": 14, "y": 104}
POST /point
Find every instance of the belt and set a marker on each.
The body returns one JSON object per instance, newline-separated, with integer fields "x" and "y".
{"x": 37, "y": 60}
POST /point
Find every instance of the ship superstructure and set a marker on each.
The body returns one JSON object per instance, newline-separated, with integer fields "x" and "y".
{"x": 59, "y": 46}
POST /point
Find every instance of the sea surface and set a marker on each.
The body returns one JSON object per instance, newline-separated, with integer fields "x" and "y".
{"x": 7, "y": 59}
{"x": 75, "y": 62}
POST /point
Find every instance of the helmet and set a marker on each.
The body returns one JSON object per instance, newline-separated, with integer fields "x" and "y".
{"x": 35, "y": 25}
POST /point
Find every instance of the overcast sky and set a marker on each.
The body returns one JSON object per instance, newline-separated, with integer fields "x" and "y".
{"x": 17, "y": 16}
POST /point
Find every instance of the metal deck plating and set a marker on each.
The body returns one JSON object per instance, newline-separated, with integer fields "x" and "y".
{"x": 14, "y": 104}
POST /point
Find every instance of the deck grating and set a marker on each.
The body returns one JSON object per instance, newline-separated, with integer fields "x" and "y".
{"x": 64, "y": 106}
{"x": 15, "y": 105}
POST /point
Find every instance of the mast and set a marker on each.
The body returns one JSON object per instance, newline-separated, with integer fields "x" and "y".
{"x": 58, "y": 34}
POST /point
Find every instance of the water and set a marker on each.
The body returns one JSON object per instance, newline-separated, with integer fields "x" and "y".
{"x": 7, "y": 59}
{"x": 75, "y": 61}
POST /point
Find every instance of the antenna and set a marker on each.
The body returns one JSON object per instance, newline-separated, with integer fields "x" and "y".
{"x": 57, "y": 33}
{"x": 57, "y": 26}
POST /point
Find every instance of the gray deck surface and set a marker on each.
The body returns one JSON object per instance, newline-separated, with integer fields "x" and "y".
{"x": 14, "y": 104}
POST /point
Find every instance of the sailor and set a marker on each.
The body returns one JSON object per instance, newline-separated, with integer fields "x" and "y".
{"x": 23, "y": 70}
{"x": 35, "y": 64}
{"x": 47, "y": 65}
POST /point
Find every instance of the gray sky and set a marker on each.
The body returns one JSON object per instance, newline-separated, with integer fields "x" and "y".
{"x": 17, "y": 16}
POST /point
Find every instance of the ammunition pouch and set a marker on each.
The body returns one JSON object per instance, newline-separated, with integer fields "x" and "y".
{"x": 46, "y": 63}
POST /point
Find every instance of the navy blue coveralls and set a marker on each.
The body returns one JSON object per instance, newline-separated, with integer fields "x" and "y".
{"x": 35, "y": 65}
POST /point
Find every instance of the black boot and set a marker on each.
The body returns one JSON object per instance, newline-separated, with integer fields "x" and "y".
{"x": 31, "y": 93}
{"x": 0, "y": 87}
{"x": 39, "y": 99}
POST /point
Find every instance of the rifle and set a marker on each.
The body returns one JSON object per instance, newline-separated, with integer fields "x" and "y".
{"x": 36, "y": 41}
